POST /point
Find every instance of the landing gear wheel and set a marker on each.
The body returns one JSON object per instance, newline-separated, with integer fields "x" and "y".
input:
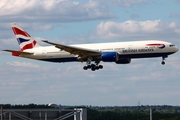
{"x": 163, "y": 63}
{"x": 85, "y": 67}
{"x": 89, "y": 66}
{"x": 163, "y": 58}
{"x": 93, "y": 65}
{"x": 100, "y": 67}
{"x": 93, "y": 68}
{"x": 97, "y": 67}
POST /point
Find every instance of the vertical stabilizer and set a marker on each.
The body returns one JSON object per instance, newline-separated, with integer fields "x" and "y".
{"x": 24, "y": 39}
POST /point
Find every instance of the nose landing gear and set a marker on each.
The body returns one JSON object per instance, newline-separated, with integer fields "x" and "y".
{"x": 163, "y": 58}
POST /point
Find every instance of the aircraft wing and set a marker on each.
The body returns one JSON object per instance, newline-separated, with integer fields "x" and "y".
{"x": 81, "y": 52}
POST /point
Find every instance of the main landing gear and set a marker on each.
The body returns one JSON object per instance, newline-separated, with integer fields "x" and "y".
{"x": 93, "y": 67}
{"x": 163, "y": 58}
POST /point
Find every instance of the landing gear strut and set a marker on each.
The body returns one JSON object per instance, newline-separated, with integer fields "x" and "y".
{"x": 163, "y": 58}
{"x": 93, "y": 67}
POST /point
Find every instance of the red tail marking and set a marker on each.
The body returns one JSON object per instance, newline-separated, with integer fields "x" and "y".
{"x": 15, "y": 54}
{"x": 20, "y": 32}
{"x": 29, "y": 46}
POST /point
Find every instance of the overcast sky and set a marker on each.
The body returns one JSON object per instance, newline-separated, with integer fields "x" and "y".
{"x": 24, "y": 81}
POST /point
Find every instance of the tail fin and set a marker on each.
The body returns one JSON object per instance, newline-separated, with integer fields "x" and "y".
{"x": 24, "y": 39}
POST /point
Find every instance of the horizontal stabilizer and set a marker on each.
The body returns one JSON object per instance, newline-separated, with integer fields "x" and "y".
{"x": 17, "y": 53}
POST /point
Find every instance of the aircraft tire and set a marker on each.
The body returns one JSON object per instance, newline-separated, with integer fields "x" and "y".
{"x": 93, "y": 68}
{"x": 163, "y": 63}
{"x": 100, "y": 67}
{"x": 97, "y": 67}
{"x": 85, "y": 67}
{"x": 89, "y": 66}
{"x": 93, "y": 65}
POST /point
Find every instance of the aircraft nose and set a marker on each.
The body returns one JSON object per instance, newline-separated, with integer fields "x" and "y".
{"x": 176, "y": 49}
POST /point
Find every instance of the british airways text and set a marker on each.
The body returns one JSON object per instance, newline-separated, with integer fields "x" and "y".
{"x": 137, "y": 50}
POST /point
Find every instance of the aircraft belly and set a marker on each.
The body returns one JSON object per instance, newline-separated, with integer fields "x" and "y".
{"x": 67, "y": 59}
{"x": 145, "y": 55}
{"x": 52, "y": 57}
{"x": 59, "y": 57}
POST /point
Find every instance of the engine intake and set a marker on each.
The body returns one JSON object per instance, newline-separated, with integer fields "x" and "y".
{"x": 110, "y": 56}
{"x": 114, "y": 57}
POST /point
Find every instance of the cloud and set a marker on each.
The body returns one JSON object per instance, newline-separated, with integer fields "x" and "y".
{"x": 49, "y": 82}
{"x": 59, "y": 81}
{"x": 153, "y": 75}
{"x": 134, "y": 16}
{"x": 160, "y": 95}
{"x": 132, "y": 29}
{"x": 23, "y": 64}
{"x": 52, "y": 11}
{"x": 9, "y": 43}
{"x": 128, "y": 3}
{"x": 174, "y": 15}
{"x": 174, "y": 62}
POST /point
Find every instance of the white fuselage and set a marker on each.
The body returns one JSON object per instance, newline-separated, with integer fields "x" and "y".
{"x": 134, "y": 49}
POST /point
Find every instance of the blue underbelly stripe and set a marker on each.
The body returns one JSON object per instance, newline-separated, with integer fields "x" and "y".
{"x": 74, "y": 59}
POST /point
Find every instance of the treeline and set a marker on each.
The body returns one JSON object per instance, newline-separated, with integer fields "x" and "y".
{"x": 164, "y": 112}
{"x": 29, "y": 106}
{"x": 134, "y": 113}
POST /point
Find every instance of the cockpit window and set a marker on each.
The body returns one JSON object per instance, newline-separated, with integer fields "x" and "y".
{"x": 171, "y": 45}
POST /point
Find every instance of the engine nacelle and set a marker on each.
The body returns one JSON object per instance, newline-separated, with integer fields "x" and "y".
{"x": 114, "y": 57}
{"x": 110, "y": 56}
{"x": 123, "y": 61}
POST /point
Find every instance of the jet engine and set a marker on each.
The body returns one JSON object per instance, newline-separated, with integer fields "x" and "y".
{"x": 123, "y": 61}
{"x": 114, "y": 57}
{"x": 110, "y": 56}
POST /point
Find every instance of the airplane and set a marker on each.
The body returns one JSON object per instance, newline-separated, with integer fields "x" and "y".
{"x": 92, "y": 54}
